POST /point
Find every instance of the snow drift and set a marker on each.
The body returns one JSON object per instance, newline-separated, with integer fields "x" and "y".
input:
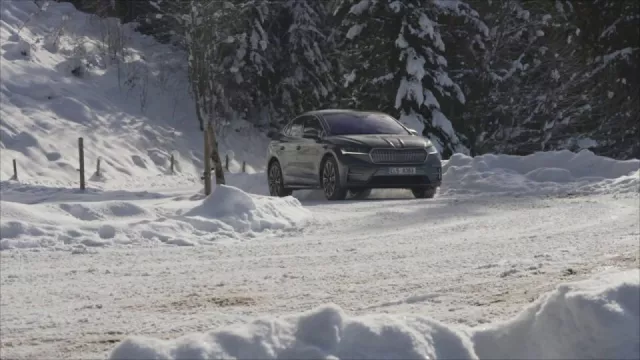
{"x": 596, "y": 318}
{"x": 246, "y": 212}
{"x": 228, "y": 213}
{"x": 593, "y": 319}
{"x": 543, "y": 173}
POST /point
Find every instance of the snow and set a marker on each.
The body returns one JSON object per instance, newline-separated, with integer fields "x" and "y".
{"x": 65, "y": 224}
{"x": 354, "y": 31}
{"x": 360, "y": 7}
{"x": 141, "y": 263}
{"x": 543, "y": 173}
{"x": 596, "y": 318}
{"x": 165, "y": 263}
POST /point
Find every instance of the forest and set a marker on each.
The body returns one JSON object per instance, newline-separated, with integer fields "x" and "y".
{"x": 474, "y": 76}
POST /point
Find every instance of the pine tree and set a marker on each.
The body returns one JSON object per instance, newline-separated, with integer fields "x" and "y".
{"x": 610, "y": 36}
{"x": 394, "y": 63}
{"x": 307, "y": 76}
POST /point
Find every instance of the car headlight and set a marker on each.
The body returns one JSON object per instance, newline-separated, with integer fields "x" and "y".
{"x": 431, "y": 149}
{"x": 353, "y": 150}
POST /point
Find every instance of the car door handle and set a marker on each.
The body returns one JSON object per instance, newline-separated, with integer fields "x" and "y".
{"x": 298, "y": 147}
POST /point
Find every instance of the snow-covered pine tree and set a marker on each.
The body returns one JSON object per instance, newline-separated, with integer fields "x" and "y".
{"x": 245, "y": 58}
{"x": 465, "y": 35}
{"x": 307, "y": 80}
{"x": 394, "y": 63}
{"x": 610, "y": 44}
{"x": 516, "y": 78}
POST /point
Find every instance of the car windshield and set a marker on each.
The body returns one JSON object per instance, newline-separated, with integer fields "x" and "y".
{"x": 363, "y": 124}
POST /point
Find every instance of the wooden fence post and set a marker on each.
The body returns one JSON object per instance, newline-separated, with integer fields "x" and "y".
{"x": 98, "y": 166}
{"x": 207, "y": 163}
{"x": 172, "y": 163}
{"x": 15, "y": 170}
{"x": 244, "y": 166}
{"x": 81, "y": 156}
{"x": 226, "y": 162}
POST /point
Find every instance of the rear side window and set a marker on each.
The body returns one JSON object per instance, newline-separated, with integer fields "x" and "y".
{"x": 356, "y": 123}
{"x": 313, "y": 123}
{"x": 296, "y": 128}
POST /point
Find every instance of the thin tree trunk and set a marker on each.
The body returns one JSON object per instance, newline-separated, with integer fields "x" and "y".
{"x": 215, "y": 156}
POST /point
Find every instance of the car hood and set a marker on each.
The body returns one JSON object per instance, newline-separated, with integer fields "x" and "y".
{"x": 381, "y": 141}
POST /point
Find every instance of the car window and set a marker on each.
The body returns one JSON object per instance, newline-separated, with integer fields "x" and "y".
{"x": 311, "y": 122}
{"x": 356, "y": 123}
{"x": 285, "y": 130}
{"x": 296, "y": 128}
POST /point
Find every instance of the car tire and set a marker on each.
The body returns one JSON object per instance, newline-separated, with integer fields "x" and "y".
{"x": 330, "y": 180}
{"x": 424, "y": 193}
{"x": 276, "y": 182}
{"x": 360, "y": 194}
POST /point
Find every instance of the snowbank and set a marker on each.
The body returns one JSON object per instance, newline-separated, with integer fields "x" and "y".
{"x": 104, "y": 219}
{"x": 543, "y": 173}
{"x": 246, "y": 212}
{"x": 596, "y": 318}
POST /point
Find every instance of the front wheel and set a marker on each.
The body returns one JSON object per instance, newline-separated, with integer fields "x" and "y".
{"x": 276, "y": 184}
{"x": 331, "y": 180}
{"x": 424, "y": 193}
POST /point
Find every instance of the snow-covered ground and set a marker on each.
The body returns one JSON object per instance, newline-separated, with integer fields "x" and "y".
{"x": 464, "y": 260}
{"x": 468, "y": 274}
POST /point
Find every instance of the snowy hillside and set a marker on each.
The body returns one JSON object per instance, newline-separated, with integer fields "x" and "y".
{"x": 63, "y": 78}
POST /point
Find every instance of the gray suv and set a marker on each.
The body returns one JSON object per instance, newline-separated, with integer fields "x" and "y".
{"x": 345, "y": 151}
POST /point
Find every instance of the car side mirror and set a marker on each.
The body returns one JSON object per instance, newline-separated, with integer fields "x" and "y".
{"x": 311, "y": 134}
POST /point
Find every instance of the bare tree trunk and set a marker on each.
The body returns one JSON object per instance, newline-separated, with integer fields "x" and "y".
{"x": 215, "y": 156}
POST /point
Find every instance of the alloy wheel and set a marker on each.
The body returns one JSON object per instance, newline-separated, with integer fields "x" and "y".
{"x": 329, "y": 179}
{"x": 275, "y": 179}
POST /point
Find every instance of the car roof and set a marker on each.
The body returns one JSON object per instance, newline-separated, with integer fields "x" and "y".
{"x": 339, "y": 111}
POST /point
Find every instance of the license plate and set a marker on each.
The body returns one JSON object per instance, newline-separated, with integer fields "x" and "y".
{"x": 402, "y": 171}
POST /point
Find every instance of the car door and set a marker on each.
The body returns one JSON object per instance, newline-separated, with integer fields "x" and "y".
{"x": 311, "y": 150}
{"x": 291, "y": 171}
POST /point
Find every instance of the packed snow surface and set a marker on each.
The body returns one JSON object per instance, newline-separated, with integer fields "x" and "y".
{"x": 597, "y": 318}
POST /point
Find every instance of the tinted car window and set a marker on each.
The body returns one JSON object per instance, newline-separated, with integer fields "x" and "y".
{"x": 296, "y": 128}
{"x": 363, "y": 124}
{"x": 313, "y": 123}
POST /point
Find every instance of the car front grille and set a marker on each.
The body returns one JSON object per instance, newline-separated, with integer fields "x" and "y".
{"x": 398, "y": 156}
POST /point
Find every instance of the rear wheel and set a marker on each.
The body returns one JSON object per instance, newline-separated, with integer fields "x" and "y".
{"x": 424, "y": 193}
{"x": 360, "y": 194}
{"x": 276, "y": 184}
{"x": 331, "y": 180}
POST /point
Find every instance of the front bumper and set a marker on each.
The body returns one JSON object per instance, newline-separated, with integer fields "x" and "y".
{"x": 358, "y": 172}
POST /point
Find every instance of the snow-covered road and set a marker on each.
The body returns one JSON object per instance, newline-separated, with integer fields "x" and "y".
{"x": 466, "y": 260}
